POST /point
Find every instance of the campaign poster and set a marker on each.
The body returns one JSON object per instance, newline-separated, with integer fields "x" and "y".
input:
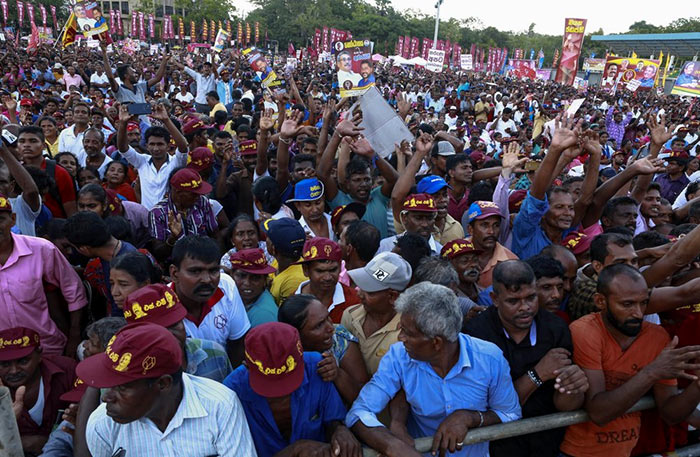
{"x": 220, "y": 41}
{"x": 257, "y": 61}
{"x": 688, "y": 81}
{"x": 89, "y": 18}
{"x": 354, "y": 66}
{"x": 570, "y": 50}
{"x": 466, "y": 62}
{"x": 436, "y": 58}
{"x": 594, "y": 65}
{"x": 545, "y": 74}
{"x": 523, "y": 68}
{"x": 619, "y": 71}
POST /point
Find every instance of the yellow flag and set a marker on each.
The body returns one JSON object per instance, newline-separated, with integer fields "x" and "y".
{"x": 634, "y": 55}
{"x": 658, "y": 71}
{"x": 70, "y": 31}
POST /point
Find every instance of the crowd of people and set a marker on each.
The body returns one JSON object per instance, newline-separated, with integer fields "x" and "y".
{"x": 194, "y": 264}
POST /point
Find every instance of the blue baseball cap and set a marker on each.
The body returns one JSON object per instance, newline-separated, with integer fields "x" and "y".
{"x": 286, "y": 234}
{"x": 481, "y": 210}
{"x": 431, "y": 184}
{"x": 307, "y": 190}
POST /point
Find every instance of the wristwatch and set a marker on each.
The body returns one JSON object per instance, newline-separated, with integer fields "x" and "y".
{"x": 534, "y": 378}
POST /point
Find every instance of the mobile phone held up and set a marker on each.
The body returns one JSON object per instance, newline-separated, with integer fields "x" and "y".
{"x": 138, "y": 109}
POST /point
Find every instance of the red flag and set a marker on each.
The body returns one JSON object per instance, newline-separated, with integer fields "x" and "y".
{"x": 33, "y": 43}
{"x": 118, "y": 18}
{"x": 326, "y": 45}
{"x": 42, "y": 8}
{"x": 111, "y": 19}
{"x": 406, "y": 47}
{"x": 290, "y": 50}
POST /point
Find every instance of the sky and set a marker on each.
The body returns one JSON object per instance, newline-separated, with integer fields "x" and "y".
{"x": 517, "y": 15}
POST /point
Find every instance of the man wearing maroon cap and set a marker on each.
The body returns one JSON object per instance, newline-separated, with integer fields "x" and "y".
{"x": 153, "y": 168}
{"x": 158, "y": 304}
{"x": 279, "y": 380}
{"x": 201, "y": 161}
{"x": 185, "y": 211}
{"x": 150, "y": 407}
{"x": 250, "y": 271}
{"x": 418, "y": 215}
{"x": 195, "y": 131}
{"x": 320, "y": 260}
{"x": 249, "y": 154}
{"x": 38, "y": 379}
{"x": 464, "y": 257}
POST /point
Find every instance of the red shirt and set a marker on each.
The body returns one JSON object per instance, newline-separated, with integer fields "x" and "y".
{"x": 58, "y": 374}
{"x": 65, "y": 187}
{"x": 351, "y": 299}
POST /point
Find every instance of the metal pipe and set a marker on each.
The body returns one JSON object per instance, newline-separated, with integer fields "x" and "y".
{"x": 521, "y": 427}
{"x": 690, "y": 451}
{"x": 437, "y": 23}
{"x": 10, "y": 441}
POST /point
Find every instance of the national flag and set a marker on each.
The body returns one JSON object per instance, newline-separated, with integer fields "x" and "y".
{"x": 71, "y": 29}
{"x": 33, "y": 43}
{"x": 658, "y": 70}
{"x": 540, "y": 58}
{"x": 290, "y": 50}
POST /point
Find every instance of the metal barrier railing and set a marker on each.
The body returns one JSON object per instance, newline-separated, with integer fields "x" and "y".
{"x": 521, "y": 427}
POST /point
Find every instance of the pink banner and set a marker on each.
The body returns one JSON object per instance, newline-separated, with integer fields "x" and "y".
{"x": 448, "y": 50}
{"x": 152, "y": 25}
{"x": 406, "y": 47}
{"x": 53, "y": 16}
{"x": 4, "y": 11}
{"x": 414, "y": 47}
{"x": 30, "y": 10}
{"x": 142, "y": 27}
{"x": 399, "y": 47}
{"x": 326, "y": 45}
{"x": 570, "y": 50}
{"x": 170, "y": 27}
{"x": 20, "y": 12}
{"x": 42, "y": 9}
{"x": 118, "y": 18}
{"x": 456, "y": 52}
{"x": 134, "y": 20}
{"x": 111, "y": 19}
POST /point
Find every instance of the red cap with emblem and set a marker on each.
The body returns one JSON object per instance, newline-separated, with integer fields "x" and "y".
{"x": 189, "y": 180}
{"x": 5, "y": 204}
{"x": 138, "y": 351}
{"x": 248, "y": 147}
{"x": 275, "y": 359}
{"x": 201, "y": 158}
{"x": 251, "y": 261}
{"x": 420, "y": 202}
{"x": 155, "y": 303}
{"x": 458, "y": 247}
{"x": 319, "y": 248}
{"x": 17, "y": 342}
{"x": 194, "y": 125}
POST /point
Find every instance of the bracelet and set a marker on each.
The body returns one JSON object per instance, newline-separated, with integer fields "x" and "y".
{"x": 481, "y": 419}
{"x": 289, "y": 140}
{"x": 534, "y": 378}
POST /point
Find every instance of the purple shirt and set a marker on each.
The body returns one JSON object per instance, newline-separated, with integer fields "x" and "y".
{"x": 616, "y": 130}
{"x": 671, "y": 188}
{"x": 33, "y": 262}
{"x": 199, "y": 220}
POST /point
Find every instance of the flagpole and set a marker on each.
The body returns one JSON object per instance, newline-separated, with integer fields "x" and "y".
{"x": 63, "y": 30}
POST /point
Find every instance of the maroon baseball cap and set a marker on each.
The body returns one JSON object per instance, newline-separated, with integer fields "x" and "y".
{"x": 5, "y": 204}
{"x": 76, "y": 393}
{"x": 155, "y": 303}
{"x": 251, "y": 261}
{"x": 194, "y": 125}
{"x": 481, "y": 210}
{"x": 275, "y": 359}
{"x": 458, "y": 247}
{"x": 577, "y": 242}
{"x": 17, "y": 342}
{"x": 419, "y": 202}
{"x": 248, "y": 147}
{"x": 189, "y": 180}
{"x": 319, "y": 248}
{"x": 138, "y": 351}
{"x": 353, "y": 207}
{"x": 201, "y": 158}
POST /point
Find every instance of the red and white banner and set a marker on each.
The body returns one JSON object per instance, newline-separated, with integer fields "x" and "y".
{"x": 152, "y": 25}
{"x": 456, "y": 52}
{"x": 414, "y": 47}
{"x": 42, "y": 9}
{"x": 53, "y": 16}
{"x": 317, "y": 39}
{"x": 570, "y": 50}
{"x": 326, "y": 44}
{"x": 111, "y": 19}
{"x": 118, "y": 18}
{"x": 406, "y": 47}
{"x": 170, "y": 27}
{"x": 20, "y": 12}
{"x": 30, "y": 10}
{"x": 5, "y": 12}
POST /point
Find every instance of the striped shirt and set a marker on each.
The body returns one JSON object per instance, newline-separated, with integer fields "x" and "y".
{"x": 207, "y": 359}
{"x": 209, "y": 421}
{"x": 199, "y": 220}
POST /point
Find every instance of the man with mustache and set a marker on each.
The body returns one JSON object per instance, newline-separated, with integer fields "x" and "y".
{"x": 215, "y": 310}
{"x": 537, "y": 346}
{"x": 464, "y": 257}
{"x": 484, "y": 221}
{"x": 93, "y": 144}
{"x": 36, "y": 381}
{"x": 418, "y": 214}
{"x": 623, "y": 358}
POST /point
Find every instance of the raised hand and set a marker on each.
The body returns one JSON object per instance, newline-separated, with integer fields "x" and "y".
{"x": 590, "y": 142}
{"x": 160, "y": 113}
{"x": 424, "y": 144}
{"x": 124, "y": 115}
{"x": 404, "y": 149}
{"x": 175, "y": 224}
{"x": 647, "y": 166}
{"x": 659, "y": 133}
{"x": 290, "y": 127}
{"x": 349, "y": 128}
{"x": 511, "y": 159}
{"x": 566, "y": 133}
{"x": 361, "y": 147}
{"x": 10, "y": 103}
{"x": 266, "y": 122}
{"x": 329, "y": 111}
{"x": 403, "y": 105}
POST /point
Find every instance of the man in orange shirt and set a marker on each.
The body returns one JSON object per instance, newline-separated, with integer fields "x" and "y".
{"x": 624, "y": 357}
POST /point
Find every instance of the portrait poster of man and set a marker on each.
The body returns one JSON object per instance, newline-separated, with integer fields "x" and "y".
{"x": 354, "y": 66}
{"x": 89, "y": 18}
{"x": 258, "y": 63}
{"x": 688, "y": 81}
{"x": 619, "y": 71}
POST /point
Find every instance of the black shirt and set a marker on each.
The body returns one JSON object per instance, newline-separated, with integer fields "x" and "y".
{"x": 552, "y": 332}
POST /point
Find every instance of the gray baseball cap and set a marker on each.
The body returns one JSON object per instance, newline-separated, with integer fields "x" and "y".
{"x": 387, "y": 270}
{"x": 445, "y": 148}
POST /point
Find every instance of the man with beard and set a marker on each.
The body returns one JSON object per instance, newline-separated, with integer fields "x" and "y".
{"x": 537, "y": 346}
{"x": 151, "y": 407}
{"x": 484, "y": 226}
{"x": 320, "y": 261}
{"x": 215, "y": 310}
{"x": 549, "y": 277}
{"x": 36, "y": 381}
{"x": 93, "y": 144}
{"x": 619, "y": 212}
{"x": 634, "y": 357}
{"x": 418, "y": 216}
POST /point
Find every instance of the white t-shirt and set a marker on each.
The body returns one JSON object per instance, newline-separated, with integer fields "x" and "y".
{"x": 502, "y": 125}
{"x": 96, "y": 79}
{"x": 186, "y": 98}
{"x": 225, "y": 316}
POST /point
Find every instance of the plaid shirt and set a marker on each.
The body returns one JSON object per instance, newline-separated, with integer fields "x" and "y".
{"x": 581, "y": 298}
{"x": 207, "y": 359}
{"x": 199, "y": 220}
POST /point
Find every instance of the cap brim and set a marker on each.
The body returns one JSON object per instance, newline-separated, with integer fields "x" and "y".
{"x": 96, "y": 371}
{"x": 365, "y": 281}
{"x": 74, "y": 395}
{"x": 170, "y": 318}
{"x": 269, "y": 387}
{"x": 204, "y": 189}
{"x": 14, "y": 354}
{"x": 260, "y": 271}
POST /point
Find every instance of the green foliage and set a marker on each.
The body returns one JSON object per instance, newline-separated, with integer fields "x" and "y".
{"x": 197, "y": 10}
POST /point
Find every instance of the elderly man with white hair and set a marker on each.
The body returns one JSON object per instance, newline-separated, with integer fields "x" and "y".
{"x": 453, "y": 382}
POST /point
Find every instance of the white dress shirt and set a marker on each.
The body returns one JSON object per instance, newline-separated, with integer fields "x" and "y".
{"x": 68, "y": 141}
{"x": 154, "y": 182}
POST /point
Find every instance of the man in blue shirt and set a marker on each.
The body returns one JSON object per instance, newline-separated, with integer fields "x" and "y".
{"x": 546, "y": 217}
{"x": 290, "y": 410}
{"x": 452, "y": 382}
